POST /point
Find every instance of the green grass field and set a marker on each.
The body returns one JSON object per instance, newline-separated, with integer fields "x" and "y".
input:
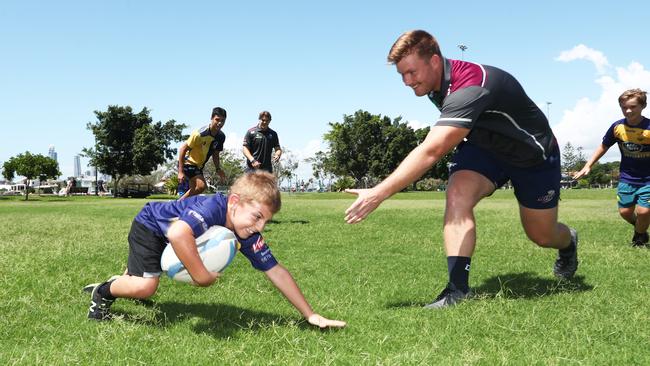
{"x": 375, "y": 275}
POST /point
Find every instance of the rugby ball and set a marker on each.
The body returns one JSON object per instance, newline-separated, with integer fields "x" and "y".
{"x": 217, "y": 248}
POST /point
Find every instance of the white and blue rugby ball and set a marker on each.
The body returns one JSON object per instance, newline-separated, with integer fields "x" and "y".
{"x": 217, "y": 248}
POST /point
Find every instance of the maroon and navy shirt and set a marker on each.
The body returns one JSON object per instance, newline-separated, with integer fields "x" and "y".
{"x": 634, "y": 144}
{"x": 202, "y": 212}
{"x": 494, "y": 106}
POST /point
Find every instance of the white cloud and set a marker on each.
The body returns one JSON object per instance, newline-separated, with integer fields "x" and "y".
{"x": 582, "y": 52}
{"x": 309, "y": 150}
{"x": 233, "y": 142}
{"x": 585, "y": 124}
{"x": 416, "y": 125}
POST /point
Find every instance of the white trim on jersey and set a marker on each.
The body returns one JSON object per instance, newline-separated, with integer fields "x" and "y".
{"x": 483, "y": 71}
{"x": 520, "y": 129}
{"x": 455, "y": 119}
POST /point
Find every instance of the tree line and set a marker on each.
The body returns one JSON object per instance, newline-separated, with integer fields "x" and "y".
{"x": 364, "y": 148}
{"x": 601, "y": 174}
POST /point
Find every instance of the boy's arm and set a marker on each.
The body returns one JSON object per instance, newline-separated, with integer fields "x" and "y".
{"x": 217, "y": 165}
{"x": 600, "y": 151}
{"x": 283, "y": 281}
{"x": 181, "y": 160}
{"x": 181, "y": 237}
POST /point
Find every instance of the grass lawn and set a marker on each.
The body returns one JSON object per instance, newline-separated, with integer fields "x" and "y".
{"x": 375, "y": 275}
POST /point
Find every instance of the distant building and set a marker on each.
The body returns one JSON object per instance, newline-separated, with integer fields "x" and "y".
{"x": 52, "y": 153}
{"x": 77, "y": 166}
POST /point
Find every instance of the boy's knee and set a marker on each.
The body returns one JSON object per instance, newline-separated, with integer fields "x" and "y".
{"x": 643, "y": 211}
{"x": 145, "y": 289}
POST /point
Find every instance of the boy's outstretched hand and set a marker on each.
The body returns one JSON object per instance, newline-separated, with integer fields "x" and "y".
{"x": 319, "y": 321}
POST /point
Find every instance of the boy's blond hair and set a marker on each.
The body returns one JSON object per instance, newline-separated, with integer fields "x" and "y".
{"x": 418, "y": 41}
{"x": 258, "y": 186}
{"x": 639, "y": 94}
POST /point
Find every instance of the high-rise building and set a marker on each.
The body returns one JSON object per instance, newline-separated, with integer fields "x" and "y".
{"x": 52, "y": 153}
{"x": 77, "y": 166}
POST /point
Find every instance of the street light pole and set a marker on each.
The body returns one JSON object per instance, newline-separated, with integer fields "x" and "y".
{"x": 463, "y": 48}
{"x": 548, "y": 111}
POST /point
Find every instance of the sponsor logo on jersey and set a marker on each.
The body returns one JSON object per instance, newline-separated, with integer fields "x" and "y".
{"x": 259, "y": 245}
{"x": 631, "y": 146}
{"x": 199, "y": 218}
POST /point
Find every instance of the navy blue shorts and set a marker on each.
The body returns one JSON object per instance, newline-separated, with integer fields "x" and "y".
{"x": 536, "y": 187}
{"x": 192, "y": 171}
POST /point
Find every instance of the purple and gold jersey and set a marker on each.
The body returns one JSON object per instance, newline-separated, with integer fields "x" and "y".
{"x": 493, "y": 105}
{"x": 202, "y": 145}
{"x": 202, "y": 212}
{"x": 634, "y": 144}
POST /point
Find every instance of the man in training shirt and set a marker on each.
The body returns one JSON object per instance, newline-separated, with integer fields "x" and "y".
{"x": 261, "y": 145}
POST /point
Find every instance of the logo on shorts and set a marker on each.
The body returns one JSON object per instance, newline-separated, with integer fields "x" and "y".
{"x": 547, "y": 197}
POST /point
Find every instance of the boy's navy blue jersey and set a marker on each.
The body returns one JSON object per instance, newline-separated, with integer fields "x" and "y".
{"x": 202, "y": 212}
{"x": 493, "y": 105}
{"x": 634, "y": 143}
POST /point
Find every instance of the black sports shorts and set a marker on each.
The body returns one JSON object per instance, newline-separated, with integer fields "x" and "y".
{"x": 145, "y": 251}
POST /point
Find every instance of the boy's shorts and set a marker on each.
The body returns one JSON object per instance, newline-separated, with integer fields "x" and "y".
{"x": 192, "y": 171}
{"x": 633, "y": 194}
{"x": 536, "y": 187}
{"x": 145, "y": 251}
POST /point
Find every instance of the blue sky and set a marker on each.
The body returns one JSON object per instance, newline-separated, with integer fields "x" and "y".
{"x": 309, "y": 63}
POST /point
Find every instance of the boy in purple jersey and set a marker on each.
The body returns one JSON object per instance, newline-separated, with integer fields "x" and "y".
{"x": 632, "y": 134}
{"x": 252, "y": 201}
{"x": 500, "y": 135}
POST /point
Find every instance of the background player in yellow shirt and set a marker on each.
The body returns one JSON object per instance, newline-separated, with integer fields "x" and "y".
{"x": 194, "y": 153}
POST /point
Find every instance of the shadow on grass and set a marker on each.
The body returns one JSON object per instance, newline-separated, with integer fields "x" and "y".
{"x": 217, "y": 320}
{"x": 525, "y": 285}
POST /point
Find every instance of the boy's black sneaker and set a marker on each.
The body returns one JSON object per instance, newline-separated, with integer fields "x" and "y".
{"x": 448, "y": 297}
{"x": 99, "y": 306}
{"x": 566, "y": 264}
{"x": 640, "y": 240}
